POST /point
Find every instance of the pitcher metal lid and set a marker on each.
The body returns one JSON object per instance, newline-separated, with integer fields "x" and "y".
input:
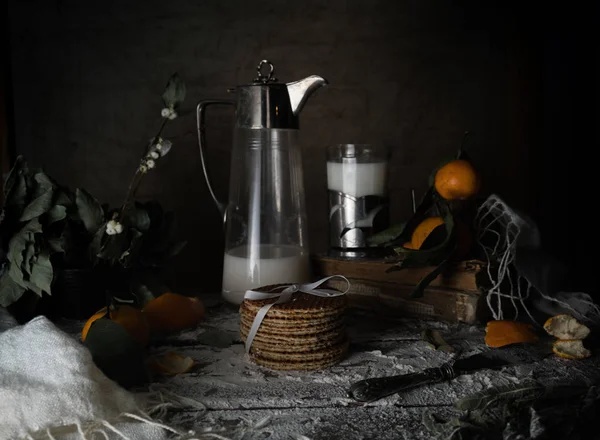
{"x": 267, "y": 103}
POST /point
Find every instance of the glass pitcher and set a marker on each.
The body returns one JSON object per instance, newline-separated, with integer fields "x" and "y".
{"x": 265, "y": 216}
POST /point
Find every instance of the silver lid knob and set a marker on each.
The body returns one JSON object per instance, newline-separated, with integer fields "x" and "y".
{"x": 267, "y": 77}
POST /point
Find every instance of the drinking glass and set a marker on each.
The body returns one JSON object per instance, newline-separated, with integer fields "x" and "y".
{"x": 357, "y": 176}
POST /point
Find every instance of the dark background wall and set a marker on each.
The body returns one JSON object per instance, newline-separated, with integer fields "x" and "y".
{"x": 87, "y": 79}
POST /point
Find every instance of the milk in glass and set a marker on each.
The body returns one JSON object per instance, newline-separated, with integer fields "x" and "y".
{"x": 357, "y": 179}
{"x": 358, "y": 203}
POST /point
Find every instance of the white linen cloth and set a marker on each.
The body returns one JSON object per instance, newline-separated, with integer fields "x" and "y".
{"x": 51, "y": 389}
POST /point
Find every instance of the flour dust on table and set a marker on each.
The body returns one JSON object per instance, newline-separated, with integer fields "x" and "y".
{"x": 247, "y": 401}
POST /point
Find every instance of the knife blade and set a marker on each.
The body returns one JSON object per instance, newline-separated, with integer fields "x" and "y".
{"x": 369, "y": 390}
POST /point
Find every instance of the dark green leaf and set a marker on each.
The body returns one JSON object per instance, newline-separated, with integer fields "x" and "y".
{"x": 17, "y": 275}
{"x": 20, "y": 241}
{"x": 175, "y": 91}
{"x": 38, "y": 206}
{"x": 434, "y": 338}
{"x": 17, "y": 197}
{"x": 130, "y": 253}
{"x": 115, "y": 352}
{"x": 147, "y": 285}
{"x": 28, "y": 255}
{"x": 57, "y": 244}
{"x": 56, "y": 213}
{"x": 438, "y": 236}
{"x": 175, "y": 249}
{"x": 142, "y": 293}
{"x": 95, "y": 246}
{"x": 520, "y": 393}
{"x": 18, "y": 168}
{"x": 17, "y": 246}
{"x": 437, "y": 248}
{"x": 387, "y": 235}
{"x": 10, "y": 291}
{"x": 138, "y": 218}
{"x": 423, "y": 211}
{"x": 432, "y": 423}
{"x": 44, "y": 183}
{"x": 427, "y": 279}
{"x": 35, "y": 273}
{"x": 42, "y": 273}
{"x": 62, "y": 198}
{"x": 89, "y": 211}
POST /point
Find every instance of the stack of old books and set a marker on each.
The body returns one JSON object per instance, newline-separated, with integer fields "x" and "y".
{"x": 454, "y": 295}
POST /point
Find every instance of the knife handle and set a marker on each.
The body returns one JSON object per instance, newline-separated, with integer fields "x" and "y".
{"x": 368, "y": 390}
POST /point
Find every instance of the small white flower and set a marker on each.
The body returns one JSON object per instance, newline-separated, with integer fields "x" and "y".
{"x": 143, "y": 168}
{"x": 154, "y": 155}
{"x": 114, "y": 227}
{"x": 165, "y": 112}
{"x": 150, "y": 163}
{"x": 165, "y": 146}
{"x": 172, "y": 115}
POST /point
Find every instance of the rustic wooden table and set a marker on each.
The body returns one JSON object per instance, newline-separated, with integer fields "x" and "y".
{"x": 243, "y": 400}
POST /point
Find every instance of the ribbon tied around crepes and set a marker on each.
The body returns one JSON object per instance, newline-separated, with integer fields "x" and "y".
{"x": 284, "y": 294}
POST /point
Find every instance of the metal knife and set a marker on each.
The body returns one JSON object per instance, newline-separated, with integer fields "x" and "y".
{"x": 368, "y": 390}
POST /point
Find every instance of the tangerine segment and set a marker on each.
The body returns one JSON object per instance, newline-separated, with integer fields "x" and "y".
{"x": 457, "y": 180}
{"x": 500, "y": 333}
{"x": 171, "y": 363}
{"x": 423, "y": 230}
{"x": 171, "y": 312}
{"x": 570, "y": 349}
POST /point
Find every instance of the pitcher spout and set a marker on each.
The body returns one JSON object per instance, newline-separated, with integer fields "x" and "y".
{"x": 301, "y": 90}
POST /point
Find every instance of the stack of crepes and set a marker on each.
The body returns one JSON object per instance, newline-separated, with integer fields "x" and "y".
{"x": 293, "y": 329}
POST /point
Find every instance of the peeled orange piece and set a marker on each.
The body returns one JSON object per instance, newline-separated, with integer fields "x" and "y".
{"x": 171, "y": 363}
{"x": 570, "y": 349}
{"x": 171, "y": 312}
{"x": 565, "y": 326}
{"x": 501, "y": 333}
{"x": 423, "y": 230}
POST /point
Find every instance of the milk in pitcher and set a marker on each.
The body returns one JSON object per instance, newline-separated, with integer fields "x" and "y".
{"x": 269, "y": 264}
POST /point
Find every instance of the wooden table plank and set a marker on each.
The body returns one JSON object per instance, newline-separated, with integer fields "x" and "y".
{"x": 382, "y": 423}
{"x": 226, "y": 379}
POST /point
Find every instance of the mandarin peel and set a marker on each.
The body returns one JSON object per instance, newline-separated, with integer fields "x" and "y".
{"x": 501, "y": 333}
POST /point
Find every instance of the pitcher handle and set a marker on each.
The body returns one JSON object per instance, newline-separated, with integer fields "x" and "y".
{"x": 200, "y": 116}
